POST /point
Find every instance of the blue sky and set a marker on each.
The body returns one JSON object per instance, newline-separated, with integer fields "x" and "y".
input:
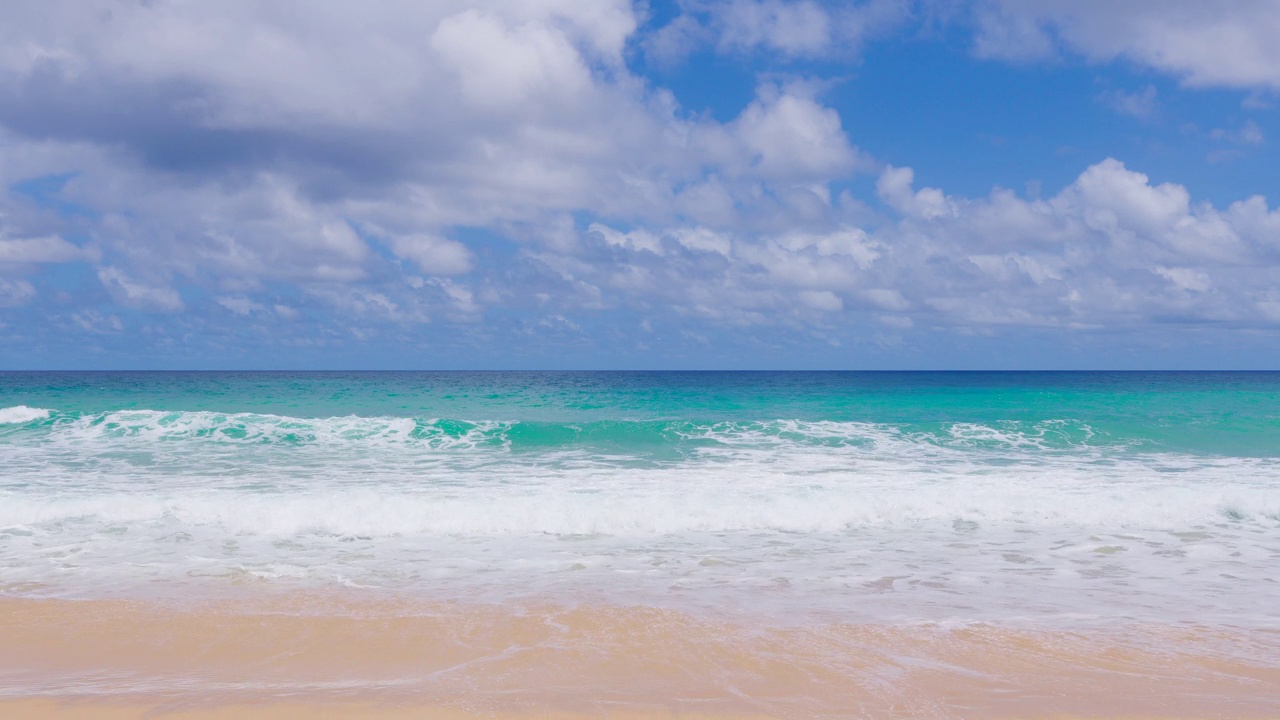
{"x": 607, "y": 184}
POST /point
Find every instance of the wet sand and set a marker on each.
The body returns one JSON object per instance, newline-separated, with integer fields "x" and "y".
{"x": 348, "y": 657}
{"x": 63, "y": 710}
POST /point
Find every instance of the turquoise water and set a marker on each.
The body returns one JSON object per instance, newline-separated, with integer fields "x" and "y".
{"x": 905, "y": 495}
{"x": 1219, "y": 413}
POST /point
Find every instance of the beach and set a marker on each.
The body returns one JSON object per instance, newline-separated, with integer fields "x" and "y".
{"x": 639, "y": 359}
{"x": 703, "y": 545}
{"x": 349, "y": 658}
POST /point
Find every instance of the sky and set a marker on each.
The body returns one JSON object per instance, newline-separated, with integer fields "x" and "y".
{"x": 604, "y": 184}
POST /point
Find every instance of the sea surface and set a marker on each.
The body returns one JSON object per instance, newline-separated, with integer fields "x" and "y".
{"x": 1043, "y": 498}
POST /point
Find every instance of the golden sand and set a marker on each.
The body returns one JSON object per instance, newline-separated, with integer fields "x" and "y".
{"x": 326, "y": 658}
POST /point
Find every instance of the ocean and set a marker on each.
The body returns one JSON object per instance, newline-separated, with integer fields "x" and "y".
{"x": 1041, "y": 499}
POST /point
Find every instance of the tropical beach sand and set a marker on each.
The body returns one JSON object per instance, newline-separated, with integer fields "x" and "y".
{"x": 335, "y": 656}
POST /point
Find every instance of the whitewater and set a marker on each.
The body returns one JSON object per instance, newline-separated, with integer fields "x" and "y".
{"x": 1057, "y": 498}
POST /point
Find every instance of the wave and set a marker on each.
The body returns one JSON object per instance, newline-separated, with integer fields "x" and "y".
{"x": 21, "y": 415}
{"x": 654, "y": 502}
{"x": 126, "y": 499}
{"x": 606, "y": 436}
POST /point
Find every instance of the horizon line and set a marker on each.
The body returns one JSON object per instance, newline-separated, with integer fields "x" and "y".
{"x": 639, "y": 370}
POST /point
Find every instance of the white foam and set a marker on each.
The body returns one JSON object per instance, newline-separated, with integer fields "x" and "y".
{"x": 21, "y": 414}
{"x": 693, "y": 497}
{"x": 149, "y": 426}
{"x": 844, "y": 514}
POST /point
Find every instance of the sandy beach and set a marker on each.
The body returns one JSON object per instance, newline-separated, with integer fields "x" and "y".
{"x": 313, "y": 656}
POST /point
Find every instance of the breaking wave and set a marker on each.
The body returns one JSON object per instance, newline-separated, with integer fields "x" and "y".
{"x": 22, "y": 415}
{"x": 621, "y": 436}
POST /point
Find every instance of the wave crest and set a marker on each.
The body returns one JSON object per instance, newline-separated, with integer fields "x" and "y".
{"x": 644, "y": 436}
{"x": 21, "y": 415}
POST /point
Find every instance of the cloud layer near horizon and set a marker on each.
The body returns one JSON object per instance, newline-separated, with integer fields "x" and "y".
{"x": 328, "y": 172}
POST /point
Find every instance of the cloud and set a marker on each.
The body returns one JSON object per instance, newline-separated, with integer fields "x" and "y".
{"x": 501, "y": 68}
{"x": 1139, "y": 104}
{"x": 135, "y": 294}
{"x": 636, "y": 240}
{"x": 789, "y": 29}
{"x": 243, "y": 229}
{"x": 1011, "y": 35}
{"x": 15, "y": 292}
{"x": 433, "y": 255}
{"x": 239, "y": 305}
{"x": 794, "y": 28}
{"x": 92, "y": 321}
{"x": 346, "y": 99}
{"x": 234, "y": 148}
{"x": 1203, "y": 44}
{"x": 1247, "y": 134}
{"x": 48, "y": 249}
{"x": 792, "y": 137}
{"x": 671, "y": 44}
{"x": 1112, "y": 249}
{"x": 321, "y": 174}
{"x": 894, "y": 188}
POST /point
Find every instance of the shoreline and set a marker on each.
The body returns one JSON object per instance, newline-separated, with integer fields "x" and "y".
{"x": 310, "y": 656}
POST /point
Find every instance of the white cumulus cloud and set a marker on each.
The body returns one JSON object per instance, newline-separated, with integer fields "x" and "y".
{"x": 1230, "y": 44}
